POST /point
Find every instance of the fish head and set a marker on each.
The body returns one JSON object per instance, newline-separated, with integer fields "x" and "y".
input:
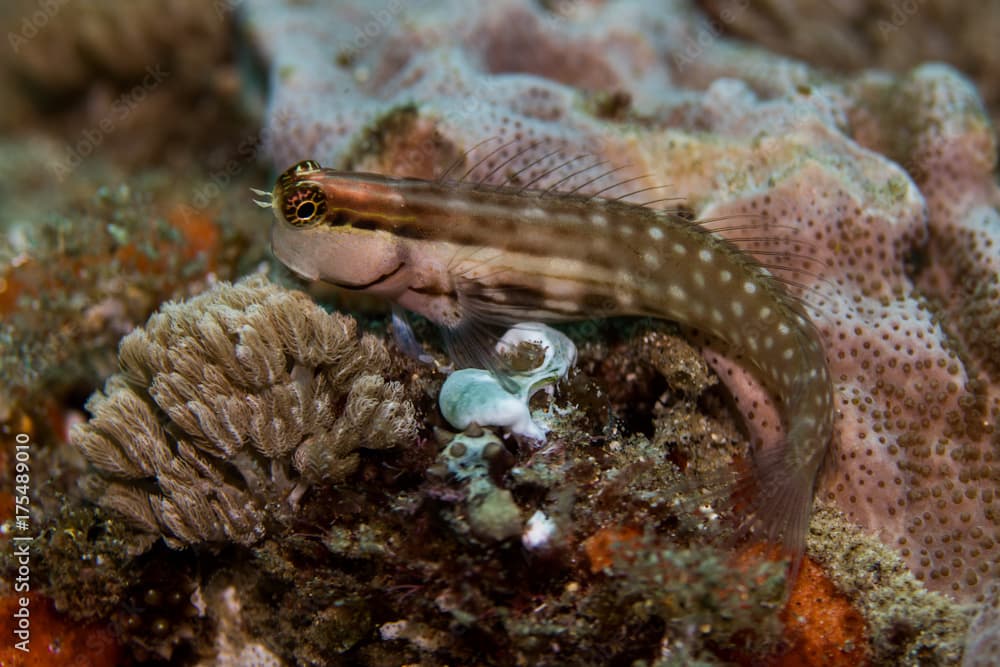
{"x": 322, "y": 229}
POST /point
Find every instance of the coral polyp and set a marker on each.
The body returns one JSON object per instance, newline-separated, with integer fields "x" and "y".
{"x": 232, "y": 402}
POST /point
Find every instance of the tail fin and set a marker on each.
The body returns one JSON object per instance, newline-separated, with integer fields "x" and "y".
{"x": 766, "y": 502}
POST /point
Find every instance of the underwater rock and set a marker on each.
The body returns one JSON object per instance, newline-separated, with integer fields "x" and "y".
{"x": 539, "y": 357}
{"x": 229, "y": 405}
{"x": 876, "y": 194}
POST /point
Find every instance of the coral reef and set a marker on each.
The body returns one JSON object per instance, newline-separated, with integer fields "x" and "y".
{"x": 907, "y": 623}
{"x": 428, "y": 579}
{"x": 77, "y": 278}
{"x": 480, "y": 551}
{"x": 228, "y": 405}
{"x": 83, "y": 562}
{"x": 884, "y": 182}
{"x": 875, "y": 33}
{"x": 259, "y": 482}
{"x": 87, "y": 257}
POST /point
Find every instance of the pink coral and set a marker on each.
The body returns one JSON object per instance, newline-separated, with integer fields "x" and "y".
{"x": 887, "y": 182}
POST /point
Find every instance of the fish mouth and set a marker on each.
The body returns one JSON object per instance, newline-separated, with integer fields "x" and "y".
{"x": 372, "y": 283}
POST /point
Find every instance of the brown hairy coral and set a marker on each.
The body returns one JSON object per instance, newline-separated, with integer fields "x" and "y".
{"x": 232, "y": 402}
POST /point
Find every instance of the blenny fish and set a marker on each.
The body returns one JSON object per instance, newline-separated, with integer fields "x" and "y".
{"x": 470, "y": 257}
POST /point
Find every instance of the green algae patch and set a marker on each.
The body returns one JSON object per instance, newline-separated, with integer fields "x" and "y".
{"x": 908, "y": 623}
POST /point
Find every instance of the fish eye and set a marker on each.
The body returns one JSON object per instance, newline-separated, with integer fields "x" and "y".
{"x": 304, "y": 205}
{"x": 297, "y": 172}
{"x": 304, "y": 167}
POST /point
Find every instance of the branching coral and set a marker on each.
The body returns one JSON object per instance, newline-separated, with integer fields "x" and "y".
{"x": 230, "y": 401}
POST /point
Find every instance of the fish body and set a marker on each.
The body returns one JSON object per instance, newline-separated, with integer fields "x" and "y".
{"x": 468, "y": 256}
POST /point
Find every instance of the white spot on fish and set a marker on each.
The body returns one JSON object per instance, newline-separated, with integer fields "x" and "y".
{"x": 678, "y": 292}
{"x": 783, "y": 329}
{"x": 699, "y": 278}
{"x": 725, "y": 276}
{"x": 599, "y": 220}
{"x": 680, "y": 249}
{"x": 717, "y": 315}
{"x": 534, "y": 213}
{"x": 749, "y": 287}
{"x": 562, "y": 305}
{"x": 737, "y": 308}
{"x": 765, "y": 313}
{"x": 705, "y": 255}
{"x": 652, "y": 259}
{"x": 655, "y": 233}
{"x": 788, "y": 353}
